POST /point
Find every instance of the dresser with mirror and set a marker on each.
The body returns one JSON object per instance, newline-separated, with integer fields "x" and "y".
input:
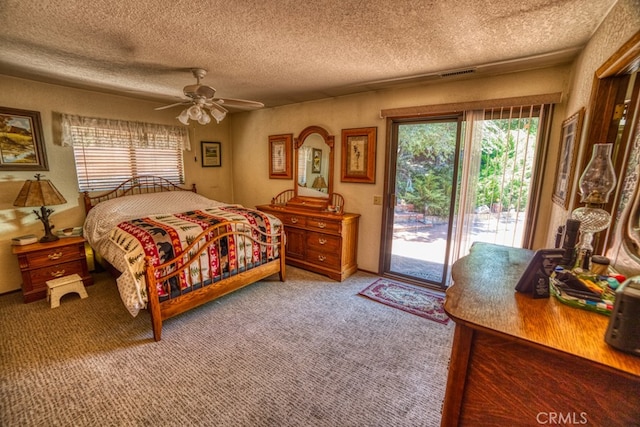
{"x": 321, "y": 236}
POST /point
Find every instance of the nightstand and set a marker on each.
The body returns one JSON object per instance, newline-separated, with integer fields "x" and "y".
{"x": 40, "y": 262}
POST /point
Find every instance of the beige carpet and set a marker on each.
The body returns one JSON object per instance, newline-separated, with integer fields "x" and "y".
{"x": 307, "y": 352}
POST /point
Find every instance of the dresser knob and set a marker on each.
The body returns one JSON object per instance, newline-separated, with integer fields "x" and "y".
{"x": 321, "y": 258}
{"x": 322, "y": 241}
{"x": 55, "y": 255}
{"x": 57, "y": 273}
{"x": 322, "y": 225}
{"x": 294, "y": 220}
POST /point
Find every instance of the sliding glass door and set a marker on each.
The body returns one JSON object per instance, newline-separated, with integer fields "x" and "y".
{"x": 459, "y": 179}
{"x": 423, "y": 185}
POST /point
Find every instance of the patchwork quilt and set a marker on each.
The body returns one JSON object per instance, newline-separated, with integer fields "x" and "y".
{"x": 163, "y": 237}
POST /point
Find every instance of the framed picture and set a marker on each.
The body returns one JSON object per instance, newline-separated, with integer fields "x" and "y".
{"x": 569, "y": 141}
{"x": 211, "y": 154}
{"x": 359, "y": 155}
{"x": 316, "y": 165}
{"x": 21, "y": 142}
{"x": 280, "y": 147}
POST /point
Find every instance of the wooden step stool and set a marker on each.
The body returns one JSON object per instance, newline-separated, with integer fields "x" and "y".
{"x": 64, "y": 285}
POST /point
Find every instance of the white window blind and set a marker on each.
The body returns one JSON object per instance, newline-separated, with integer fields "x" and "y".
{"x": 108, "y": 152}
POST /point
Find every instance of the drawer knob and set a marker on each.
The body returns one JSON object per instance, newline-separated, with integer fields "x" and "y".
{"x": 55, "y": 255}
{"x": 322, "y": 241}
{"x": 294, "y": 220}
{"x": 322, "y": 225}
{"x": 57, "y": 273}
{"x": 321, "y": 258}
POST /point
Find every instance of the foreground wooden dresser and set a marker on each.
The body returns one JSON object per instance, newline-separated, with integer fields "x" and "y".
{"x": 520, "y": 361}
{"x": 323, "y": 242}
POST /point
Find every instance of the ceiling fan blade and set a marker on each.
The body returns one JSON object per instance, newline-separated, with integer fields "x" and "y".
{"x": 239, "y": 103}
{"x": 173, "y": 105}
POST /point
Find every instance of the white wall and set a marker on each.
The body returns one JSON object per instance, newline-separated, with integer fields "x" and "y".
{"x": 47, "y": 99}
{"x": 250, "y": 133}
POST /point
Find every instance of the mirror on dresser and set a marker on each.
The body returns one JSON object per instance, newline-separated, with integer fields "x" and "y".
{"x": 314, "y": 157}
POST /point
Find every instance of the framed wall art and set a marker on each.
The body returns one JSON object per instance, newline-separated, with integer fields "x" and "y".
{"x": 211, "y": 154}
{"x": 280, "y": 147}
{"x": 316, "y": 164}
{"x": 359, "y": 155}
{"x": 21, "y": 142}
{"x": 569, "y": 142}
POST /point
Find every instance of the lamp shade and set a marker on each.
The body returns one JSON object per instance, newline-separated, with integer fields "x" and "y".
{"x": 40, "y": 192}
{"x": 319, "y": 183}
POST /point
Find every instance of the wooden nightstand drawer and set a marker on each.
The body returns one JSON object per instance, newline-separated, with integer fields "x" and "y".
{"x": 323, "y": 242}
{"x": 41, "y": 275}
{"x": 54, "y": 255}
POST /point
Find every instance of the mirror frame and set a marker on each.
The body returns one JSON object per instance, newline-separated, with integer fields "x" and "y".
{"x": 315, "y": 203}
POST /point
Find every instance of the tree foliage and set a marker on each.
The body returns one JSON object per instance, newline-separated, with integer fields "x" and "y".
{"x": 425, "y": 161}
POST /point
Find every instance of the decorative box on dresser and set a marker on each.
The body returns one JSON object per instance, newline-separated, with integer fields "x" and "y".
{"x": 40, "y": 262}
{"x": 319, "y": 241}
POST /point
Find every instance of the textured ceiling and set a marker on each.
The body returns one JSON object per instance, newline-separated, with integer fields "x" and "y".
{"x": 285, "y": 51}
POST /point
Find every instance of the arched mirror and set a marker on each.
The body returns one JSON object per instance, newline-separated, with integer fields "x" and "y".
{"x": 313, "y": 168}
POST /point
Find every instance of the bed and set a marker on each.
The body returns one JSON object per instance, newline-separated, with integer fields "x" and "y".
{"x": 173, "y": 249}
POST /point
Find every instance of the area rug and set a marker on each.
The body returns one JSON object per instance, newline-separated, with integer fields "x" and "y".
{"x": 409, "y": 298}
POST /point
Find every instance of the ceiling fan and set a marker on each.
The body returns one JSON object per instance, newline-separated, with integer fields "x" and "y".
{"x": 202, "y": 98}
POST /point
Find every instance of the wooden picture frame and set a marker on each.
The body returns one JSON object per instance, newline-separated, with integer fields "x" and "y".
{"x": 21, "y": 141}
{"x": 565, "y": 170}
{"x": 359, "y": 155}
{"x": 211, "y": 154}
{"x": 316, "y": 160}
{"x": 280, "y": 148}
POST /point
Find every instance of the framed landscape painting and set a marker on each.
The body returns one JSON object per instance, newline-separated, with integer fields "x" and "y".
{"x": 211, "y": 154}
{"x": 21, "y": 143}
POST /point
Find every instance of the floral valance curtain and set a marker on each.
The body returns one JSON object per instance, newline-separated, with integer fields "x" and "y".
{"x": 92, "y": 131}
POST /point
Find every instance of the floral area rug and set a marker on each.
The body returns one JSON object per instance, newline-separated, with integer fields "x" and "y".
{"x": 409, "y": 298}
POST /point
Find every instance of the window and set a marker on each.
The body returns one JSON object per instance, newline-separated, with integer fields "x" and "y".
{"x": 108, "y": 152}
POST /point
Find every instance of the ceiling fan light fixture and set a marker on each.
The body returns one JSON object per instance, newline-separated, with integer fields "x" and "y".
{"x": 204, "y": 118}
{"x": 184, "y": 117}
{"x": 195, "y": 112}
{"x": 218, "y": 115}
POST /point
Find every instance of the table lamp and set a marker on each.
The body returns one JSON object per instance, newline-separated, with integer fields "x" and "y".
{"x": 319, "y": 183}
{"x": 40, "y": 192}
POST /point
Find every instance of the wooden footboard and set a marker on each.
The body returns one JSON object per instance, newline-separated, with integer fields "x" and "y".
{"x": 184, "y": 286}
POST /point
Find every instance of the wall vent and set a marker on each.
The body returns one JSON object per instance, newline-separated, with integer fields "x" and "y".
{"x": 458, "y": 72}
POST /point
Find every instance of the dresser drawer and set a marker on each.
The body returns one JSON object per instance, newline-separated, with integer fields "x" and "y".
{"x": 323, "y": 224}
{"x": 40, "y": 276}
{"x": 324, "y": 258}
{"x": 324, "y": 242}
{"x": 295, "y": 220}
{"x": 54, "y": 255}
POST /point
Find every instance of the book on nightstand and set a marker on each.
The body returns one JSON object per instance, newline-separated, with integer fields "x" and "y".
{"x": 24, "y": 240}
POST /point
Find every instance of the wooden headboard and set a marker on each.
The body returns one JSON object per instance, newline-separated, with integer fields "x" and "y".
{"x": 137, "y": 185}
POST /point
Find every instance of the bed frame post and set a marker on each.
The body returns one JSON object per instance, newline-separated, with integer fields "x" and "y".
{"x": 281, "y": 249}
{"x": 153, "y": 303}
